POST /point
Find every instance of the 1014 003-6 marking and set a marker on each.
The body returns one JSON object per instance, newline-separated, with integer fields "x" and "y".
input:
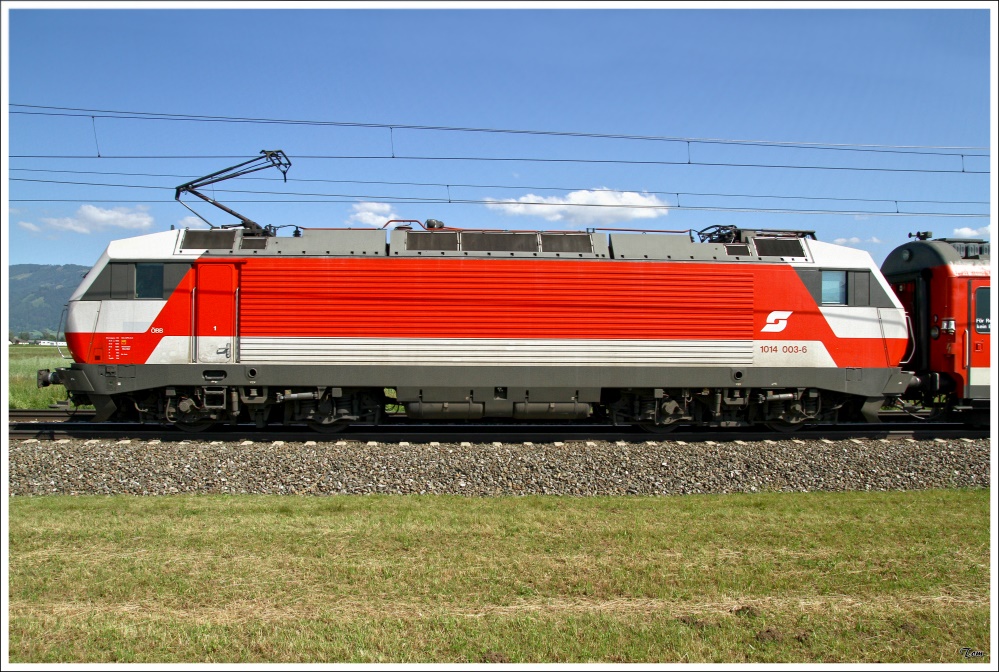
{"x": 784, "y": 349}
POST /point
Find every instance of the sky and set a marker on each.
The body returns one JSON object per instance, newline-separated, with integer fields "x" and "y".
{"x": 867, "y": 123}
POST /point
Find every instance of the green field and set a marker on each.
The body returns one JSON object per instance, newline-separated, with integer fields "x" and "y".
{"x": 24, "y": 361}
{"x": 776, "y": 577}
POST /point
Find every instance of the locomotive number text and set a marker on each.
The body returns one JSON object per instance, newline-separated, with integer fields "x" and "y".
{"x": 784, "y": 349}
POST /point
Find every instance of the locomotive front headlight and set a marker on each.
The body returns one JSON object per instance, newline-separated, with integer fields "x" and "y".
{"x": 934, "y": 332}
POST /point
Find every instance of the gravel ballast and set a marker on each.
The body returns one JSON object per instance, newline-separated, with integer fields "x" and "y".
{"x": 573, "y": 468}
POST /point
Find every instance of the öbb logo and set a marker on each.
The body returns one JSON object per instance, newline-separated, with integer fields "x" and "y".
{"x": 777, "y": 320}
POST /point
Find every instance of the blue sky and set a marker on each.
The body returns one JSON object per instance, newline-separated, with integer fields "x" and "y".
{"x": 856, "y": 86}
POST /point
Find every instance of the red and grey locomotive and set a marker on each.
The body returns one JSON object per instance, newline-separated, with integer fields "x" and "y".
{"x": 332, "y": 326}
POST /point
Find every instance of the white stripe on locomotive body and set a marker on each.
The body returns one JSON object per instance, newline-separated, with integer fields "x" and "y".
{"x": 127, "y": 317}
{"x": 494, "y": 352}
{"x": 531, "y": 352}
{"x": 865, "y": 322}
{"x": 113, "y": 317}
{"x": 171, "y": 350}
{"x": 82, "y": 317}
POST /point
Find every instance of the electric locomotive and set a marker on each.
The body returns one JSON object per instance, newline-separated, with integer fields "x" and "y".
{"x": 329, "y": 327}
{"x": 195, "y": 327}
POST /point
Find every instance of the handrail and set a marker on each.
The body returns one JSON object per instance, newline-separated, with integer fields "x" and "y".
{"x": 545, "y": 231}
{"x": 63, "y": 315}
{"x": 605, "y": 228}
{"x": 193, "y": 343}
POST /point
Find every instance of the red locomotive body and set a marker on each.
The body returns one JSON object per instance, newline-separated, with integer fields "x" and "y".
{"x": 272, "y": 309}
{"x": 196, "y": 327}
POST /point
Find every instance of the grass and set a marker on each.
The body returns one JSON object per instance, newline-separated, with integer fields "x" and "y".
{"x": 24, "y": 362}
{"x": 782, "y": 577}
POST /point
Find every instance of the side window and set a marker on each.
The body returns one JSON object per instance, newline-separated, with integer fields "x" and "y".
{"x": 149, "y": 281}
{"x": 122, "y": 281}
{"x": 848, "y": 287}
{"x": 983, "y": 312}
{"x": 834, "y": 288}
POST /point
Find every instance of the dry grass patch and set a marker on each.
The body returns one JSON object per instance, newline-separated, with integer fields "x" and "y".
{"x": 900, "y": 577}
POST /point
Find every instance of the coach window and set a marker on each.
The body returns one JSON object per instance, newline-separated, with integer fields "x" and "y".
{"x": 834, "y": 288}
{"x": 983, "y": 312}
{"x": 149, "y": 281}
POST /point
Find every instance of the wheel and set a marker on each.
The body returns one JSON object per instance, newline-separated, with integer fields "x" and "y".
{"x": 785, "y": 427}
{"x": 194, "y": 425}
{"x": 653, "y": 428}
{"x": 326, "y": 427}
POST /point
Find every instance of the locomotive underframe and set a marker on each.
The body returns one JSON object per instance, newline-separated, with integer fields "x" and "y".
{"x": 330, "y": 397}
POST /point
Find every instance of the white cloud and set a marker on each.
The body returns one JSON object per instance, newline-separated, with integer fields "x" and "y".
{"x": 372, "y": 214}
{"x": 585, "y": 207}
{"x": 66, "y": 224}
{"x": 30, "y": 227}
{"x": 968, "y": 232}
{"x": 90, "y": 218}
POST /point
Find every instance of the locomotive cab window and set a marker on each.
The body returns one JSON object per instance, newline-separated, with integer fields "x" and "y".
{"x": 983, "y": 312}
{"x": 149, "y": 281}
{"x": 125, "y": 281}
{"x": 845, "y": 287}
{"x": 834, "y": 288}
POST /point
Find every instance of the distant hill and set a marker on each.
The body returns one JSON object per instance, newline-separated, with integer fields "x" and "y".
{"x": 36, "y": 295}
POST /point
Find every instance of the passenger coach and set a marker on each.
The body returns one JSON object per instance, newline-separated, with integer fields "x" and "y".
{"x": 945, "y": 287}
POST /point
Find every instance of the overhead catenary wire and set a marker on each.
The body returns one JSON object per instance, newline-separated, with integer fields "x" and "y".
{"x": 960, "y": 155}
{"x": 770, "y": 211}
{"x": 962, "y": 170}
{"x": 164, "y": 116}
{"x": 360, "y": 198}
{"x": 956, "y": 160}
{"x": 466, "y": 185}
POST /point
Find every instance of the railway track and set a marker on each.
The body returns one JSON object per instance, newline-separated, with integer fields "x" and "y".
{"x": 49, "y": 415}
{"x": 55, "y": 424}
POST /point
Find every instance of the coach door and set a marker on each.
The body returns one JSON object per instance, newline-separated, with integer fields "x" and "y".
{"x": 978, "y": 334}
{"x": 215, "y": 299}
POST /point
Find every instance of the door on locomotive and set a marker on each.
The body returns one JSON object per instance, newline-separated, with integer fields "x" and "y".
{"x": 215, "y": 312}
